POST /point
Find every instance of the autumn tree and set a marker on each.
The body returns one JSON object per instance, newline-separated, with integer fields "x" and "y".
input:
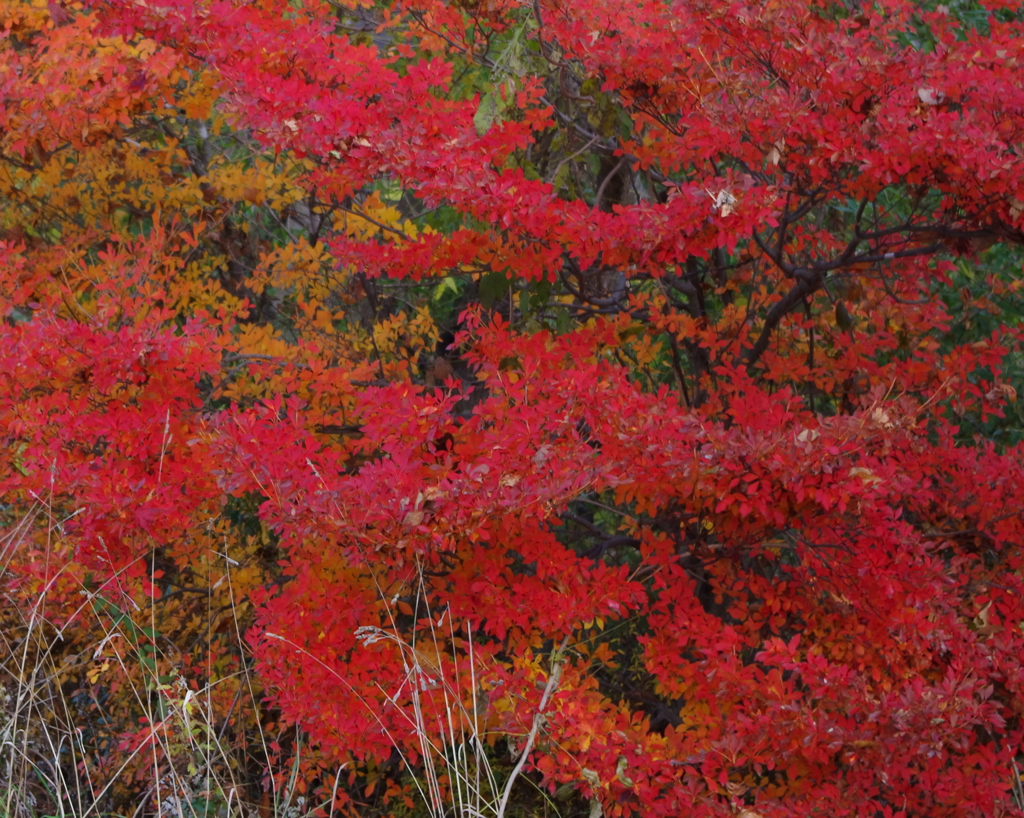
{"x": 613, "y": 397}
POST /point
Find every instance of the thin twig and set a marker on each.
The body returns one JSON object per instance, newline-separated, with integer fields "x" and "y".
{"x": 557, "y": 661}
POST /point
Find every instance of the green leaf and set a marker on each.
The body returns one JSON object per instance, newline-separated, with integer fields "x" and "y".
{"x": 843, "y": 317}
{"x": 493, "y": 287}
{"x": 487, "y": 113}
{"x": 493, "y": 105}
{"x": 538, "y": 294}
{"x": 563, "y": 322}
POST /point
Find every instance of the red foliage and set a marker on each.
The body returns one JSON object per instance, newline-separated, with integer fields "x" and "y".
{"x": 802, "y": 591}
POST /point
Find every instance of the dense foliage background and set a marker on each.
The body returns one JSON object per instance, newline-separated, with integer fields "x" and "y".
{"x": 501, "y": 408}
